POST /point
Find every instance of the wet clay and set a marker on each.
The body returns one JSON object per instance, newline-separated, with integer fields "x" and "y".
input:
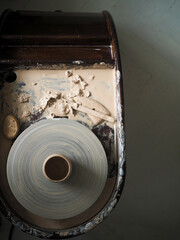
{"x": 57, "y": 168}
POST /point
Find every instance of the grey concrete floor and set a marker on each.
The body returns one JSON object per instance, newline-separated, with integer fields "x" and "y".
{"x": 149, "y": 40}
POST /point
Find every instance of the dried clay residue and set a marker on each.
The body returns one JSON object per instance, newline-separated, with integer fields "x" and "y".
{"x": 43, "y": 98}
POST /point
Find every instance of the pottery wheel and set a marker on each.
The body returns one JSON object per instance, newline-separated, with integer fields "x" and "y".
{"x": 31, "y": 186}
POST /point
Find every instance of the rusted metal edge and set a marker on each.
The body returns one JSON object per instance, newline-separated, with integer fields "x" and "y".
{"x": 120, "y": 108}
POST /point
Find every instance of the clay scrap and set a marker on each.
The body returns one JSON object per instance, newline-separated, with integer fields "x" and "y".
{"x": 96, "y": 115}
{"x": 50, "y": 97}
{"x": 96, "y": 106}
{"x": 11, "y": 127}
{"x": 63, "y": 104}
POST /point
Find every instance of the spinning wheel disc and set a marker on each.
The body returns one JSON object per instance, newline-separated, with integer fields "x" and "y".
{"x": 27, "y": 175}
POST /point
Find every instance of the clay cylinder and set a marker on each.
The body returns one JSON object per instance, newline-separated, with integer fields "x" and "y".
{"x": 57, "y": 168}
